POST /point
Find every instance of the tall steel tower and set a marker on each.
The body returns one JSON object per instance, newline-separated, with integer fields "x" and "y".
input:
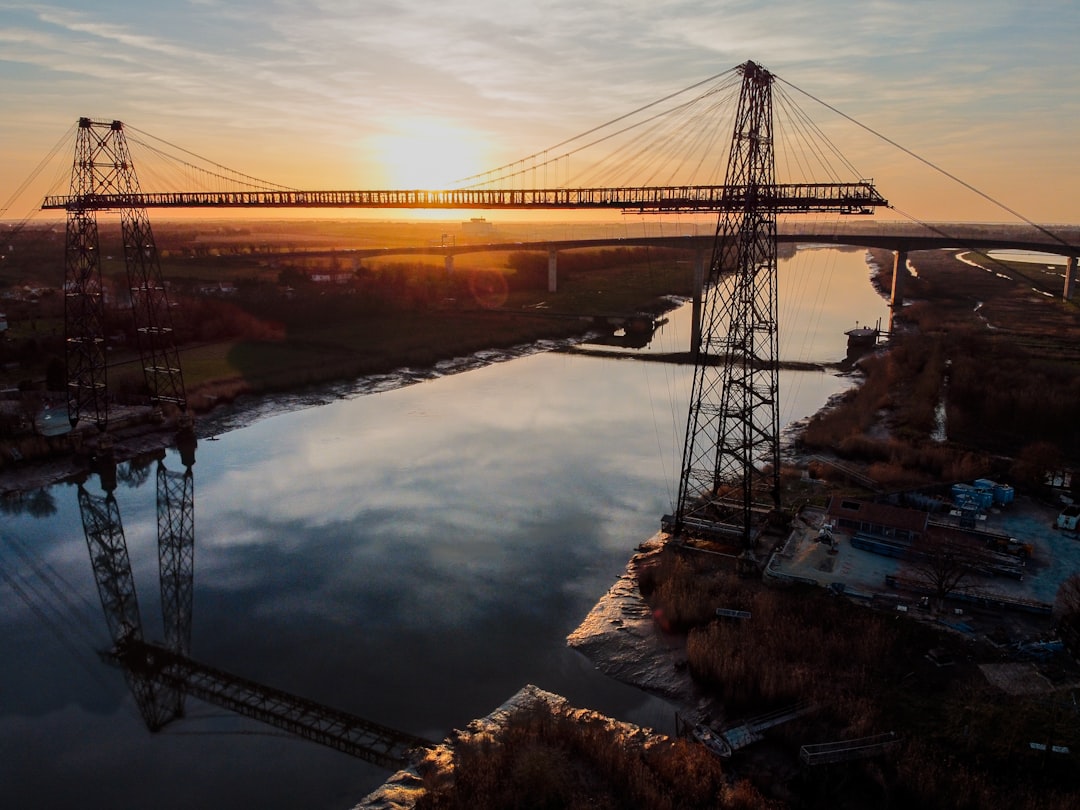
{"x": 103, "y": 166}
{"x": 731, "y": 459}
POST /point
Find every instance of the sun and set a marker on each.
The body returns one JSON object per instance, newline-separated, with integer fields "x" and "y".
{"x": 426, "y": 153}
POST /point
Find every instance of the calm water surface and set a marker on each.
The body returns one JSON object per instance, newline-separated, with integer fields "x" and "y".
{"x": 414, "y": 556}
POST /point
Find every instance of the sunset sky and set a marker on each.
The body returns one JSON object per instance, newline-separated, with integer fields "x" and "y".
{"x": 400, "y": 93}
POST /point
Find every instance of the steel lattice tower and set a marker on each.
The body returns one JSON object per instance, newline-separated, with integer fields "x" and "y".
{"x": 84, "y": 306}
{"x": 731, "y": 459}
{"x": 103, "y": 166}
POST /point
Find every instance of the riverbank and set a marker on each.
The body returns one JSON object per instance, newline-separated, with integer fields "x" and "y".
{"x": 434, "y": 771}
{"x": 625, "y": 640}
{"x": 314, "y": 477}
{"x": 39, "y": 461}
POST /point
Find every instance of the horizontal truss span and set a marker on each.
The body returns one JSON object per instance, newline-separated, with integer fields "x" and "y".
{"x": 353, "y": 735}
{"x": 847, "y": 198}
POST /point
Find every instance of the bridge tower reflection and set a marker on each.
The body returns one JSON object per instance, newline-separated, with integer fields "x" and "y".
{"x": 161, "y": 675}
{"x": 158, "y": 703}
{"x": 176, "y": 544}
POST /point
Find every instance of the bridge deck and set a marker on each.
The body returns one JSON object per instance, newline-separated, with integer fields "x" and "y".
{"x": 849, "y": 198}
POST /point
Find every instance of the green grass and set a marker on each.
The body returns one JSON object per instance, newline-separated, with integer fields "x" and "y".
{"x": 356, "y": 343}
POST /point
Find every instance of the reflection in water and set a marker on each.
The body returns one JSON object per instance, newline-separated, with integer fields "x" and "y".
{"x": 414, "y": 555}
{"x": 158, "y": 703}
{"x": 160, "y": 676}
{"x": 39, "y": 503}
{"x": 176, "y": 544}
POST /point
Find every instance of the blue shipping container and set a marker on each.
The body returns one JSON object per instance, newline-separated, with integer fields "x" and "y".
{"x": 1003, "y": 494}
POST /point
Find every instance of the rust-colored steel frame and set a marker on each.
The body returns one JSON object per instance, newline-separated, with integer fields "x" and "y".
{"x": 730, "y": 477}
{"x": 102, "y": 166}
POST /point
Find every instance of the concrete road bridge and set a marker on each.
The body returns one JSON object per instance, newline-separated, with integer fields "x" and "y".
{"x": 700, "y": 246}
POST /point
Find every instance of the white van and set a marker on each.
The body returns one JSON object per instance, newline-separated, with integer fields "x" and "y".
{"x": 1069, "y": 519}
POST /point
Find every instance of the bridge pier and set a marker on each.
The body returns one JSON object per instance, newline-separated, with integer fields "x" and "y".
{"x": 699, "y": 288}
{"x": 553, "y": 271}
{"x": 448, "y": 263}
{"x": 1070, "y": 277}
{"x": 899, "y": 271}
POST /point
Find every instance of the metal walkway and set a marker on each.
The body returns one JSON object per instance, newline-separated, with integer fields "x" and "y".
{"x": 849, "y": 198}
{"x": 847, "y": 750}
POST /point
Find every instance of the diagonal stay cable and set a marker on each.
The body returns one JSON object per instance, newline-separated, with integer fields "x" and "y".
{"x": 597, "y": 128}
{"x": 41, "y": 166}
{"x": 207, "y": 160}
{"x": 33, "y": 601}
{"x": 967, "y": 245}
{"x": 929, "y": 163}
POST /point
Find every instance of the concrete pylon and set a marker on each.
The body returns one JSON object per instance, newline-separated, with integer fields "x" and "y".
{"x": 553, "y": 271}
{"x": 899, "y": 271}
{"x": 699, "y": 287}
{"x": 1070, "y": 277}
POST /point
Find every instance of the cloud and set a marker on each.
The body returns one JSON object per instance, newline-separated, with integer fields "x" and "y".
{"x": 315, "y": 79}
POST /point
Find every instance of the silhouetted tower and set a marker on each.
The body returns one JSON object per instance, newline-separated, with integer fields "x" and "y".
{"x": 84, "y": 304}
{"x": 103, "y": 166}
{"x": 731, "y": 459}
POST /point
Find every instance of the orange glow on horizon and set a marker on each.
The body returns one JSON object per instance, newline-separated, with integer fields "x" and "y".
{"x": 425, "y": 153}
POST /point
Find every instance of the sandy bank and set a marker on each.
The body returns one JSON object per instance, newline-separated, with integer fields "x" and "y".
{"x": 621, "y": 638}
{"x": 435, "y": 766}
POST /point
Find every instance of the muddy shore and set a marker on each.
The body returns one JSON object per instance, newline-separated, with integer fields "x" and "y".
{"x": 135, "y": 432}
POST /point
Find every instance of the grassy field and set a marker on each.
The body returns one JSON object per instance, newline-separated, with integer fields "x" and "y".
{"x": 347, "y": 344}
{"x": 324, "y": 334}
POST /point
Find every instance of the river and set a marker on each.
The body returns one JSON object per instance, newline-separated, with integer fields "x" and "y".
{"x": 412, "y": 553}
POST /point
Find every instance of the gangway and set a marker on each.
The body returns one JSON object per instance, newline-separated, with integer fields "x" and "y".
{"x": 725, "y": 743}
{"x": 849, "y": 198}
{"x": 848, "y": 750}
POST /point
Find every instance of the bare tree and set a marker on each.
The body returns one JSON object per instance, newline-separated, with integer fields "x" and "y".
{"x": 1067, "y": 611}
{"x": 1034, "y": 461}
{"x": 947, "y": 563}
{"x": 944, "y": 565}
{"x": 30, "y": 405}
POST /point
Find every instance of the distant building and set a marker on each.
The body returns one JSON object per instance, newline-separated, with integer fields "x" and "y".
{"x": 219, "y": 288}
{"x": 331, "y": 278}
{"x": 477, "y": 226}
{"x": 879, "y": 520}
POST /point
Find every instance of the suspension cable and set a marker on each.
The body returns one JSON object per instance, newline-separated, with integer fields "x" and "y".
{"x": 930, "y": 164}
{"x": 255, "y": 180}
{"x": 543, "y": 152}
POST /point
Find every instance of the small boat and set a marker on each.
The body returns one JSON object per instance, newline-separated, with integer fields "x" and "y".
{"x": 863, "y": 336}
{"x": 715, "y": 743}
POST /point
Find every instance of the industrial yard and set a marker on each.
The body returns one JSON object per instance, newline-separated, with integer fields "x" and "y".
{"x": 1017, "y": 584}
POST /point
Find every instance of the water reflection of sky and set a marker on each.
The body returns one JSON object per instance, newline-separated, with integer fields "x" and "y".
{"x": 414, "y": 556}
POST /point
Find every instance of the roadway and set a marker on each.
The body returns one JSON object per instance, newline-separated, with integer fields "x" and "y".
{"x": 696, "y": 244}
